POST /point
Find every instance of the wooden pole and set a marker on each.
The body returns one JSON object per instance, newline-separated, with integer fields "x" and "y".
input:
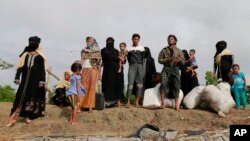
{"x": 48, "y": 84}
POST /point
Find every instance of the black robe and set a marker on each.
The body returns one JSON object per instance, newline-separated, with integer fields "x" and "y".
{"x": 121, "y": 83}
{"x": 224, "y": 67}
{"x": 30, "y": 98}
{"x": 149, "y": 70}
{"x": 110, "y": 80}
{"x": 188, "y": 82}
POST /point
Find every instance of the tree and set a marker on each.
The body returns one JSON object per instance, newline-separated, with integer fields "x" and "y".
{"x": 5, "y": 65}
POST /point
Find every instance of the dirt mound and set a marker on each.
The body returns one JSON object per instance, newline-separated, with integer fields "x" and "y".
{"x": 116, "y": 121}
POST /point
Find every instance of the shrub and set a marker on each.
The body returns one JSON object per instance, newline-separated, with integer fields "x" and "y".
{"x": 210, "y": 80}
{"x": 7, "y": 94}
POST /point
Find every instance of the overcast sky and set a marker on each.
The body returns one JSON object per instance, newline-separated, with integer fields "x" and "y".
{"x": 64, "y": 24}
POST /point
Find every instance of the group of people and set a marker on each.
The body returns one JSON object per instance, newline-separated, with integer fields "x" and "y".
{"x": 79, "y": 86}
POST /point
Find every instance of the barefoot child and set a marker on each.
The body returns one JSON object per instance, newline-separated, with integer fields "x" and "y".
{"x": 75, "y": 91}
{"x": 239, "y": 86}
{"x": 123, "y": 53}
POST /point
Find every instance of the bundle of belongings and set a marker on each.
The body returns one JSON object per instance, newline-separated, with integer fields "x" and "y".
{"x": 218, "y": 98}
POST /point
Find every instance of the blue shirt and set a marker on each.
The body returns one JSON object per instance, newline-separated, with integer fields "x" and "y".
{"x": 73, "y": 89}
{"x": 238, "y": 80}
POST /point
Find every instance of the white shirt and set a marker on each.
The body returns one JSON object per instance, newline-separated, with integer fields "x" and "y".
{"x": 137, "y": 48}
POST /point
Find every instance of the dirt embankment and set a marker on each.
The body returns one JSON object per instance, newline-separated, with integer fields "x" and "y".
{"x": 117, "y": 121}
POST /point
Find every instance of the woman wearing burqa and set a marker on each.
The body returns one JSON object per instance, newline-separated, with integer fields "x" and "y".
{"x": 148, "y": 69}
{"x": 110, "y": 79}
{"x": 223, "y": 61}
{"x": 30, "y": 93}
{"x": 188, "y": 80}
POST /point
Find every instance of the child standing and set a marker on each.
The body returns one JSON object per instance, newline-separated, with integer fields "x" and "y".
{"x": 123, "y": 53}
{"x": 192, "y": 59}
{"x": 239, "y": 86}
{"x": 75, "y": 91}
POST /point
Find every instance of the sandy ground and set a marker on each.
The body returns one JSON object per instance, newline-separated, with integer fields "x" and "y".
{"x": 116, "y": 121}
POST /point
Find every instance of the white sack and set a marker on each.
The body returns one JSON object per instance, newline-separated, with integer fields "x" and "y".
{"x": 152, "y": 97}
{"x": 193, "y": 98}
{"x": 224, "y": 86}
{"x": 170, "y": 103}
{"x": 218, "y": 100}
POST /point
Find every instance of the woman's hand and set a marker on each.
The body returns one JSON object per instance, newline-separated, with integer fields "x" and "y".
{"x": 17, "y": 82}
{"x": 40, "y": 85}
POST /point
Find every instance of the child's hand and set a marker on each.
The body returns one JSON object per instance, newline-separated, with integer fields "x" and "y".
{"x": 245, "y": 87}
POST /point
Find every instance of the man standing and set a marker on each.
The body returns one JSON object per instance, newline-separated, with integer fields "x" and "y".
{"x": 171, "y": 57}
{"x": 135, "y": 60}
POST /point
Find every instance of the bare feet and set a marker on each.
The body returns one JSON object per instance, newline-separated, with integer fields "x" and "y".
{"x": 177, "y": 108}
{"x": 162, "y": 105}
{"x": 10, "y": 124}
{"x": 74, "y": 123}
{"x": 90, "y": 110}
{"x": 119, "y": 104}
{"x": 27, "y": 120}
{"x": 127, "y": 105}
{"x": 137, "y": 105}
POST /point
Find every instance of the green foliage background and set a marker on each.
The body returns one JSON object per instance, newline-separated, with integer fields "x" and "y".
{"x": 5, "y": 65}
{"x": 7, "y": 94}
{"x": 210, "y": 80}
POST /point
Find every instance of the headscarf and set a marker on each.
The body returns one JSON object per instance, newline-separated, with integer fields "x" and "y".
{"x": 186, "y": 55}
{"x": 63, "y": 82}
{"x": 220, "y": 46}
{"x": 34, "y": 42}
{"x": 221, "y": 49}
{"x": 110, "y": 43}
{"x": 147, "y": 52}
{"x": 93, "y": 47}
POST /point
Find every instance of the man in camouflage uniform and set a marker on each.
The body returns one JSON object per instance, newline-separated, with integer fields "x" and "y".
{"x": 171, "y": 57}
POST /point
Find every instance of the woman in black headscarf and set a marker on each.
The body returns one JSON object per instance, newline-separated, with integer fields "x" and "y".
{"x": 148, "y": 68}
{"x": 31, "y": 89}
{"x": 188, "y": 80}
{"x": 110, "y": 78}
{"x": 223, "y": 61}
